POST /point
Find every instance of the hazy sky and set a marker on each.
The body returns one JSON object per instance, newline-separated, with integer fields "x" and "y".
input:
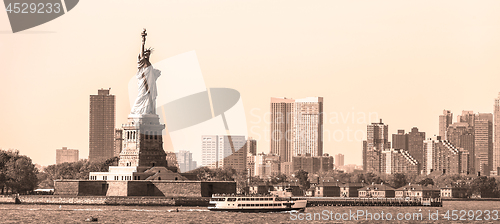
{"x": 406, "y": 61}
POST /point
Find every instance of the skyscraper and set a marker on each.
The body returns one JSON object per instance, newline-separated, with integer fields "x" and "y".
{"x": 462, "y": 136}
{"x": 443, "y": 157}
{"x": 400, "y": 140}
{"x": 251, "y": 146}
{"x": 339, "y": 160}
{"x": 296, "y": 127}
{"x": 101, "y": 126}
{"x": 66, "y": 155}
{"x": 185, "y": 161}
{"x": 444, "y": 121}
{"x": 416, "y": 145}
{"x": 496, "y": 145}
{"x": 219, "y": 151}
{"x": 483, "y": 142}
{"x": 376, "y": 142}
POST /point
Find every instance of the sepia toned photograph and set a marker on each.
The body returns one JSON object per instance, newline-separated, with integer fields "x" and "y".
{"x": 227, "y": 111}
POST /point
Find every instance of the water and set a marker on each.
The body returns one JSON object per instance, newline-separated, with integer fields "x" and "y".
{"x": 10, "y": 213}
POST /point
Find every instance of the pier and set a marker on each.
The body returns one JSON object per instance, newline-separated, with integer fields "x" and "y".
{"x": 337, "y": 201}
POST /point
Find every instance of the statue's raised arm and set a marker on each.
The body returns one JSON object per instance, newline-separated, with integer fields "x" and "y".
{"x": 143, "y": 34}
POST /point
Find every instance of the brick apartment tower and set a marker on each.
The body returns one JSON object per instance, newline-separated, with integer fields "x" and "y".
{"x": 102, "y": 126}
{"x": 376, "y": 142}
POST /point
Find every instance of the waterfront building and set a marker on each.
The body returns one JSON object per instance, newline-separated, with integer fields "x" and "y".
{"x": 102, "y": 126}
{"x": 66, "y": 155}
{"x": 377, "y": 191}
{"x": 417, "y": 191}
{"x": 377, "y": 141}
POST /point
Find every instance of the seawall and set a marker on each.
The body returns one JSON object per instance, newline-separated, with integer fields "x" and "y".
{"x": 107, "y": 200}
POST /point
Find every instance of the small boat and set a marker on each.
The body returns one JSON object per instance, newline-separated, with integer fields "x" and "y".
{"x": 245, "y": 203}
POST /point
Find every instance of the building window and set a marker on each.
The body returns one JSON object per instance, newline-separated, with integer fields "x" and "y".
{"x": 105, "y": 177}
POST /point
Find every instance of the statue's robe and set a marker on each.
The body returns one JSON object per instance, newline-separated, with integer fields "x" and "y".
{"x": 145, "y": 103}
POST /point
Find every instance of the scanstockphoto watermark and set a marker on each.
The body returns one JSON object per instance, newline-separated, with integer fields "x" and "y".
{"x": 347, "y": 120}
{"x": 421, "y": 215}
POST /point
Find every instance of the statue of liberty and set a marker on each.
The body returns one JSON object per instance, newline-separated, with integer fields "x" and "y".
{"x": 145, "y": 103}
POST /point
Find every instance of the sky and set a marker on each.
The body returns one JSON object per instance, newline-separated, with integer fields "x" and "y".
{"x": 401, "y": 61}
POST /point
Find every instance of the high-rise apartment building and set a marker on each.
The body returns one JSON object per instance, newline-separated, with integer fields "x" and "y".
{"x": 416, "y": 145}
{"x": 483, "y": 142}
{"x": 66, "y": 155}
{"x": 399, "y": 161}
{"x": 219, "y": 151}
{"x": 496, "y": 144}
{"x": 185, "y": 161}
{"x": 296, "y": 127}
{"x": 102, "y": 126}
{"x": 339, "y": 160}
{"x": 462, "y": 136}
{"x": 443, "y": 157}
{"x": 251, "y": 146}
{"x": 376, "y": 142}
{"x": 400, "y": 140}
{"x": 444, "y": 121}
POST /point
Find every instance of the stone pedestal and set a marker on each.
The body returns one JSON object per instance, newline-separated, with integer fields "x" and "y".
{"x": 142, "y": 142}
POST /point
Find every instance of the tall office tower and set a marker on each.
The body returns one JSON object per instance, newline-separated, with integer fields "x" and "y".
{"x": 467, "y": 116}
{"x": 219, "y": 151}
{"x": 400, "y": 140}
{"x": 118, "y": 141}
{"x": 251, "y": 146}
{"x": 376, "y": 143}
{"x": 102, "y": 126}
{"x": 66, "y": 155}
{"x": 443, "y": 157}
{"x": 483, "y": 142}
{"x": 339, "y": 160}
{"x": 185, "y": 161}
{"x": 496, "y": 145}
{"x": 444, "y": 121}
{"x": 462, "y": 136}
{"x": 415, "y": 140}
{"x": 296, "y": 127}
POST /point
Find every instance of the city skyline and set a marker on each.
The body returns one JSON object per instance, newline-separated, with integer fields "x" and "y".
{"x": 370, "y": 58}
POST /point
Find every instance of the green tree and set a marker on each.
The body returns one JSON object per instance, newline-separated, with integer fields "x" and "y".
{"x": 484, "y": 186}
{"x": 303, "y": 178}
{"x": 398, "y": 180}
{"x": 426, "y": 182}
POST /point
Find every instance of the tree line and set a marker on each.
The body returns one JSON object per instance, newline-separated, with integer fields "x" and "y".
{"x": 18, "y": 174}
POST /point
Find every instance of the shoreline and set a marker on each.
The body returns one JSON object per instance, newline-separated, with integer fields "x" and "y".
{"x": 136, "y": 200}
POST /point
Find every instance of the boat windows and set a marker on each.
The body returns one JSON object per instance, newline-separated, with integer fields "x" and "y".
{"x": 231, "y": 199}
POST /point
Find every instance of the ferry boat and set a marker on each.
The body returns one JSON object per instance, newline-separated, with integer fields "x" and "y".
{"x": 245, "y": 203}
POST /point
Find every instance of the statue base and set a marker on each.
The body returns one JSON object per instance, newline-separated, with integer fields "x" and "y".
{"x": 143, "y": 142}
